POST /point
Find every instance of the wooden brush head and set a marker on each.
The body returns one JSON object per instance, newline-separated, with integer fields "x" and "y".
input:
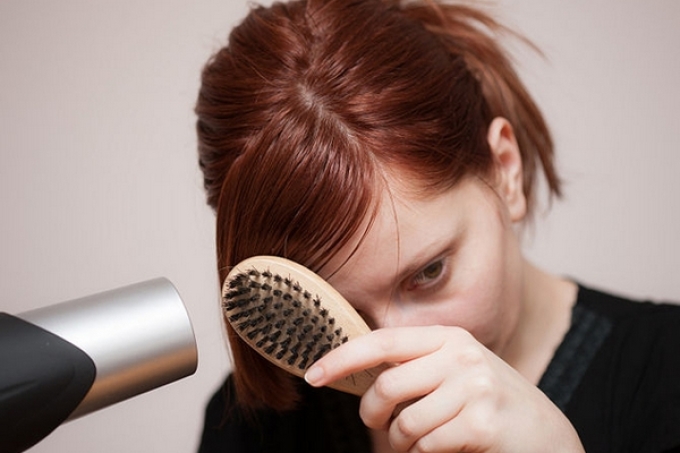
{"x": 291, "y": 316}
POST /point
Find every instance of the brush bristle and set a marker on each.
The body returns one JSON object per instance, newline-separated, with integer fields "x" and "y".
{"x": 280, "y": 318}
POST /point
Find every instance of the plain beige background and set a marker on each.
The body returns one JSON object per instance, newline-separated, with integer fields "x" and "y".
{"x": 99, "y": 185}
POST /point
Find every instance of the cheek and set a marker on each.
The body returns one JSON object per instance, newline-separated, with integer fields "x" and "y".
{"x": 478, "y": 311}
{"x": 494, "y": 284}
{"x": 492, "y": 302}
{"x": 485, "y": 318}
{"x": 473, "y": 307}
{"x": 482, "y": 296}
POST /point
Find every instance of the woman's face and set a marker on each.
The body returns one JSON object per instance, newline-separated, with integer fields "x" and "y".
{"x": 451, "y": 259}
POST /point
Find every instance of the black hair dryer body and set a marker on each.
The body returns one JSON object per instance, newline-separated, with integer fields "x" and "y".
{"x": 63, "y": 361}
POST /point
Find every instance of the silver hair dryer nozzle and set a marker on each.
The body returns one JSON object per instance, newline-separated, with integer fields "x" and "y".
{"x": 139, "y": 338}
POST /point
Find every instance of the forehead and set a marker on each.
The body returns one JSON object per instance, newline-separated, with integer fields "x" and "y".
{"x": 408, "y": 229}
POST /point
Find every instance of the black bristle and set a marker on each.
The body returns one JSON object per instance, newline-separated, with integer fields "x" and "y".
{"x": 234, "y": 283}
{"x": 252, "y": 334}
{"x": 235, "y": 317}
{"x": 275, "y": 336}
{"x": 237, "y": 293}
{"x": 291, "y": 360}
{"x": 322, "y": 351}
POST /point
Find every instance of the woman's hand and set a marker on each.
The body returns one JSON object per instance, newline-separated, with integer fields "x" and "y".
{"x": 455, "y": 393}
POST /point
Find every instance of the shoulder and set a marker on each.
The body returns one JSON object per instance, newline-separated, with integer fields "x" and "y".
{"x": 643, "y": 337}
{"x": 636, "y": 324}
{"x": 220, "y": 431}
{"x": 631, "y": 390}
{"x": 229, "y": 427}
{"x": 620, "y": 308}
{"x": 635, "y": 334}
{"x": 326, "y": 420}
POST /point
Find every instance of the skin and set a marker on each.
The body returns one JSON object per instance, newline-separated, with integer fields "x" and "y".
{"x": 468, "y": 324}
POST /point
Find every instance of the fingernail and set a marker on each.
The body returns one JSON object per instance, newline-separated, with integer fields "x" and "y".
{"x": 314, "y": 375}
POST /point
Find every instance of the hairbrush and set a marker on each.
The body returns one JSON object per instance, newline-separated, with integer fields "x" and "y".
{"x": 292, "y": 317}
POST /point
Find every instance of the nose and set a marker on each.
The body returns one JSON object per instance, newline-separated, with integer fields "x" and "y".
{"x": 381, "y": 314}
{"x": 368, "y": 320}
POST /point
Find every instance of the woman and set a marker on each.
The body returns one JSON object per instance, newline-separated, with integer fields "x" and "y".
{"x": 390, "y": 147}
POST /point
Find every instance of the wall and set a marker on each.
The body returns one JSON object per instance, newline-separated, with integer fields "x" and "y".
{"x": 99, "y": 185}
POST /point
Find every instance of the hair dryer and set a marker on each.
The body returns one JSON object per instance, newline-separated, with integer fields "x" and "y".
{"x": 63, "y": 361}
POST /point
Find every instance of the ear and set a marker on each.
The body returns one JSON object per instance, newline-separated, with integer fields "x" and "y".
{"x": 508, "y": 167}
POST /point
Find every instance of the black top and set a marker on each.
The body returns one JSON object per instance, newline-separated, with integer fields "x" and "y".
{"x": 616, "y": 376}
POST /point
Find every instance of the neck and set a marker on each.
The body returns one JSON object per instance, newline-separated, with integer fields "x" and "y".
{"x": 544, "y": 320}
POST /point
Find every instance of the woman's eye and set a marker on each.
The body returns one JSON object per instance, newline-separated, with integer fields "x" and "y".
{"x": 428, "y": 275}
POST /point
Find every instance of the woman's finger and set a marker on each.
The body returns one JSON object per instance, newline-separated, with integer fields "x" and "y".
{"x": 391, "y": 345}
{"x": 461, "y": 433}
{"x": 406, "y": 382}
{"x": 423, "y": 416}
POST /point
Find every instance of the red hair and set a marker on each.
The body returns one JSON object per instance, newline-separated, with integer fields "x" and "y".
{"x": 311, "y": 101}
